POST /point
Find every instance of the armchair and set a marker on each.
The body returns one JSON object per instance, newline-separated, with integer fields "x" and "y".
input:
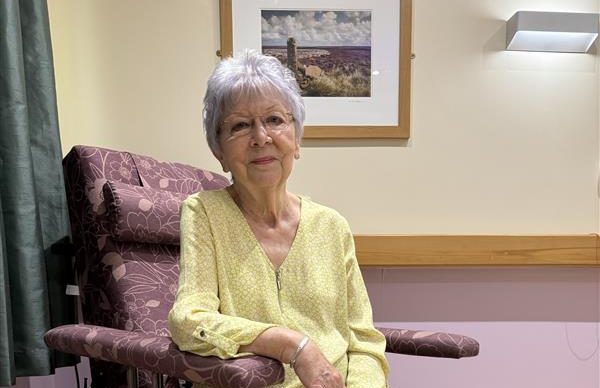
{"x": 124, "y": 211}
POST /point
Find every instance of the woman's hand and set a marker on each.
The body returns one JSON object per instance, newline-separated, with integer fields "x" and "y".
{"x": 315, "y": 371}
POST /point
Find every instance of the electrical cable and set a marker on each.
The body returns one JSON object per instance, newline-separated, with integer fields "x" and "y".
{"x": 597, "y": 304}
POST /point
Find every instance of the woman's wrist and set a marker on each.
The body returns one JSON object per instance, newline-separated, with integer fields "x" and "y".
{"x": 289, "y": 345}
{"x": 299, "y": 350}
{"x": 276, "y": 342}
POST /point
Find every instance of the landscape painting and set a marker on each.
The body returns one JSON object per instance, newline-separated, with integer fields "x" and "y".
{"x": 329, "y": 51}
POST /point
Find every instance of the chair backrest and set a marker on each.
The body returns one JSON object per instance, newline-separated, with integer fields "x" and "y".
{"x": 124, "y": 211}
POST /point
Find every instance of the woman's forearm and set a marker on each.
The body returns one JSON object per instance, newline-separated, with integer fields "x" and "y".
{"x": 276, "y": 342}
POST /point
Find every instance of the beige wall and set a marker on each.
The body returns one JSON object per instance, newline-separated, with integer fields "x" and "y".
{"x": 502, "y": 142}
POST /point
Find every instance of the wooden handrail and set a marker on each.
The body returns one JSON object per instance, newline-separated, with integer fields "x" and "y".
{"x": 474, "y": 250}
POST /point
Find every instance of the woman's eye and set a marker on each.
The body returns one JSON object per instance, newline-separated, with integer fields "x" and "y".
{"x": 275, "y": 120}
{"x": 240, "y": 126}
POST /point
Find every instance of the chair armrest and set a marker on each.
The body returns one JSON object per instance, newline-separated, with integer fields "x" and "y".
{"x": 160, "y": 354}
{"x": 429, "y": 344}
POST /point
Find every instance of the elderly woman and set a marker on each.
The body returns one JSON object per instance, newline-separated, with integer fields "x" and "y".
{"x": 265, "y": 271}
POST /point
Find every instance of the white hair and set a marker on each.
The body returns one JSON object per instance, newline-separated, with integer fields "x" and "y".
{"x": 248, "y": 75}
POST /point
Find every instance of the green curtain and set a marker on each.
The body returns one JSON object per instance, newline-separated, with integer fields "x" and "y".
{"x": 33, "y": 210}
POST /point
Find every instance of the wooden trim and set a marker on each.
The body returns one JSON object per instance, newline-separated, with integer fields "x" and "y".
{"x": 496, "y": 250}
{"x": 356, "y": 132}
{"x": 226, "y": 27}
{"x": 405, "y": 71}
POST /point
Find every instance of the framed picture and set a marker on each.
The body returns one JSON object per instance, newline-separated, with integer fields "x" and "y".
{"x": 351, "y": 59}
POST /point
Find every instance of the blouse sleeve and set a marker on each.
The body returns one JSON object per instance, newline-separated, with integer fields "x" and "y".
{"x": 194, "y": 321}
{"x": 367, "y": 365}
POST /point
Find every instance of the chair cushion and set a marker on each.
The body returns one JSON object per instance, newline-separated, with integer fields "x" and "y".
{"x": 142, "y": 214}
{"x": 176, "y": 177}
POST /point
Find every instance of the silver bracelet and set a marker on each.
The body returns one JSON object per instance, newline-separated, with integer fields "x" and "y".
{"x": 301, "y": 346}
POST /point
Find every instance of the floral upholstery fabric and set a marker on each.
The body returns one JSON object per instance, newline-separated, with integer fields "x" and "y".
{"x": 176, "y": 177}
{"x": 160, "y": 354}
{"x": 142, "y": 214}
{"x": 124, "y": 284}
{"x": 430, "y": 344}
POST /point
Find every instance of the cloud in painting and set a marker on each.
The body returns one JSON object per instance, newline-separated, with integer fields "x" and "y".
{"x": 316, "y": 28}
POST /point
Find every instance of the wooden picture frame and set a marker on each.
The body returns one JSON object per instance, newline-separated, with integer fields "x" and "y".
{"x": 393, "y": 130}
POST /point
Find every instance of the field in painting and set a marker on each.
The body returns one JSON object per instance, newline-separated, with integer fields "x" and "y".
{"x": 332, "y": 71}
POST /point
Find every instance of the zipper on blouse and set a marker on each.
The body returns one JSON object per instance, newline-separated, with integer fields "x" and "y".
{"x": 278, "y": 284}
{"x": 278, "y": 280}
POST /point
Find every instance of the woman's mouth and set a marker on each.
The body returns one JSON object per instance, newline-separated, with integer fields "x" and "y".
{"x": 263, "y": 160}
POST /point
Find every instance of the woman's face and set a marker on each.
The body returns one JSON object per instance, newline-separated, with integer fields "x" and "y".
{"x": 258, "y": 141}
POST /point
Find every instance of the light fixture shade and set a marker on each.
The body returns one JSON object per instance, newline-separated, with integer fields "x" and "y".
{"x": 551, "y": 31}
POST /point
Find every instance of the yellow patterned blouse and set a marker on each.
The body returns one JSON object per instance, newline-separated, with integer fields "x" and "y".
{"x": 229, "y": 291}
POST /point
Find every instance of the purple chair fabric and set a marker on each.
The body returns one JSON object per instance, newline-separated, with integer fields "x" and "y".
{"x": 160, "y": 354}
{"x": 142, "y": 214}
{"x": 429, "y": 344}
{"x": 124, "y": 211}
{"x": 127, "y": 274}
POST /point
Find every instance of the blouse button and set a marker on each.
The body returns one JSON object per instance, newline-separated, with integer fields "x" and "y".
{"x": 202, "y": 333}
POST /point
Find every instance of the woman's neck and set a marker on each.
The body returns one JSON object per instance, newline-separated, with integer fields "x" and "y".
{"x": 267, "y": 206}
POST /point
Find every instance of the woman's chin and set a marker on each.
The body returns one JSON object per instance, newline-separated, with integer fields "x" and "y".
{"x": 265, "y": 181}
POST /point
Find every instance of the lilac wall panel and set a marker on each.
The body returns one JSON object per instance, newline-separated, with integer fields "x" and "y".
{"x": 536, "y": 326}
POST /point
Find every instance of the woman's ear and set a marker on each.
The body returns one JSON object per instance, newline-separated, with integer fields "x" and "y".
{"x": 224, "y": 166}
{"x": 221, "y": 160}
{"x": 297, "y": 151}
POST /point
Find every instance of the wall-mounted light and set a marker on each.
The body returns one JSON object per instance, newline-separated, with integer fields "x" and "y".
{"x": 551, "y": 31}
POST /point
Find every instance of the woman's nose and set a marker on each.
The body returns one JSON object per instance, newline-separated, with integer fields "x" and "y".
{"x": 260, "y": 135}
